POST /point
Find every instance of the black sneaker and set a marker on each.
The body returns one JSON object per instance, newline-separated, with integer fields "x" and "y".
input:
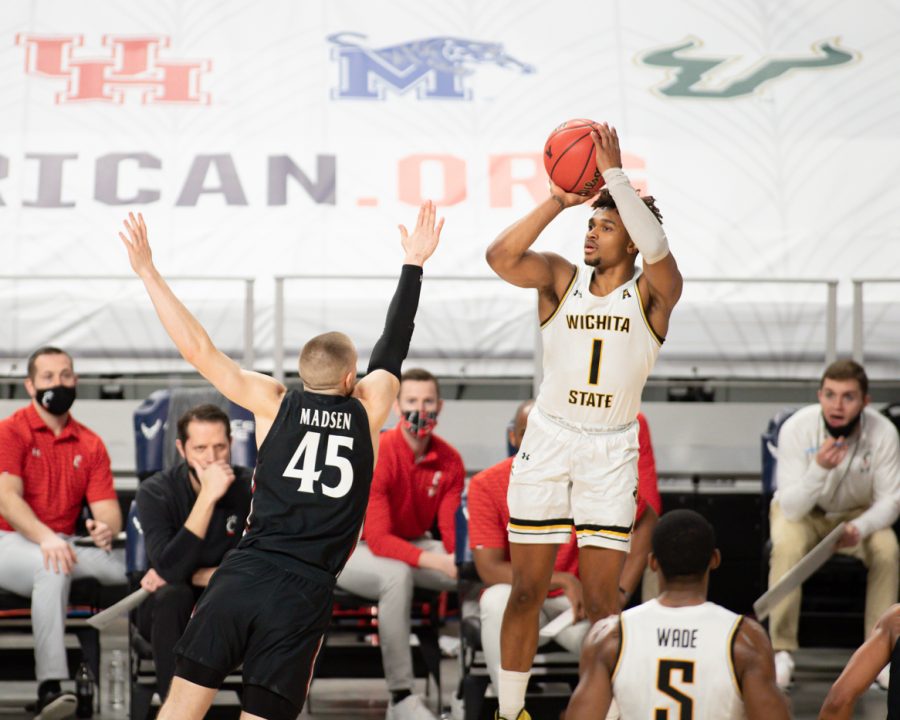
{"x": 56, "y": 706}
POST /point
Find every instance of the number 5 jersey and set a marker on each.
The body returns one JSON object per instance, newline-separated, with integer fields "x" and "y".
{"x": 677, "y": 663}
{"x": 311, "y": 484}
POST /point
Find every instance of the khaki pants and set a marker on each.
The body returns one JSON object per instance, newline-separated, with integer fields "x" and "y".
{"x": 791, "y": 540}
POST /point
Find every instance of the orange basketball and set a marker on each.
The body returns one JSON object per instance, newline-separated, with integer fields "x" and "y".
{"x": 570, "y": 158}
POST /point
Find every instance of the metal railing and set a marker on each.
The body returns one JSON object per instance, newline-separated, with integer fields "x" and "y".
{"x": 249, "y": 340}
{"x": 859, "y": 314}
{"x": 831, "y": 307}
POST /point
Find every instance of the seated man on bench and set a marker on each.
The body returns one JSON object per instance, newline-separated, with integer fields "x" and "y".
{"x": 50, "y": 465}
{"x": 191, "y": 515}
{"x": 488, "y": 518}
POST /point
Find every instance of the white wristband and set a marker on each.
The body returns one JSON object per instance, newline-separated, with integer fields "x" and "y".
{"x": 640, "y": 222}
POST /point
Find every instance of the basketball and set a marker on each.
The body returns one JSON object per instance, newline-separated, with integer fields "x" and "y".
{"x": 570, "y": 159}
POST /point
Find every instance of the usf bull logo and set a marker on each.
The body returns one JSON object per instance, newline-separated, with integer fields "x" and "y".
{"x": 436, "y": 67}
{"x": 689, "y": 72}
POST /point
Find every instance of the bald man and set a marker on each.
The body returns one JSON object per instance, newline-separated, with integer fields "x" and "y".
{"x": 267, "y": 606}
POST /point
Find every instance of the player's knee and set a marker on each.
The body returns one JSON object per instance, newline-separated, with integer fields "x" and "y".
{"x": 597, "y": 608}
{"x": 174, "y": 595}
{"x": 398, "y": 581}
{"x": 493, "y": 603}
{"x": 524, "y": 597}
{"x": 884, "y": 550}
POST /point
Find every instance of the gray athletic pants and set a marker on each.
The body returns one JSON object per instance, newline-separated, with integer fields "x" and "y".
{"x": 22, "y": 572}
{"x": 391, "y": 583}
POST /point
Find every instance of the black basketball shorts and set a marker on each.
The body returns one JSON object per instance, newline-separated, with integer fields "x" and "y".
{"x": 257, "y": 614}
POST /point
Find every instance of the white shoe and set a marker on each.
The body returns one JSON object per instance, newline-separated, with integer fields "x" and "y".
{"x": 784, "y": 669}
{"x": 409, "y": 708}
{"x": 883, "y": 679}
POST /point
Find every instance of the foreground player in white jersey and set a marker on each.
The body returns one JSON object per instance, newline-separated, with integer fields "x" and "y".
{"x": 602, "y": 327}
{"x": 679, "y": 656}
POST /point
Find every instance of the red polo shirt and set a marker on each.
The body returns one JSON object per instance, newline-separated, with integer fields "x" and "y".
{"x": 407, "y": 496}
{"x": 57, "y": 473}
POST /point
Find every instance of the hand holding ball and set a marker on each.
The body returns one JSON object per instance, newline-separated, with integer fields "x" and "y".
{"x": 570, "y": 158}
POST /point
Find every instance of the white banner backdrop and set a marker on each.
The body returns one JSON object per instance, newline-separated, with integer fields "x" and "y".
{"x": 285, "y": 137}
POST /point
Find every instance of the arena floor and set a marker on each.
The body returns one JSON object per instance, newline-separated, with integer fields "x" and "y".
{"x": 352, "y": 700}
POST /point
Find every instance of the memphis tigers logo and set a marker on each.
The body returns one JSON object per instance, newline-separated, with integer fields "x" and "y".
{"x": 436, "y": 67}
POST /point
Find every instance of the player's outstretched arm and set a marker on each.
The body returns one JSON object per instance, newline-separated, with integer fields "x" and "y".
{"x": 754, "y": 666}
{"x": 593, "y": 696}
{"x": 659, "y": 266}
{"x": 379, "y": 387}
{"x": 260, "y": 394}
{"x": 863, "y": 668}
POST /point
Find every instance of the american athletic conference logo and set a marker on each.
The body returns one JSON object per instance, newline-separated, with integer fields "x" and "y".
{"x": 436, "y": 67}
{"x": 130, "y": 63}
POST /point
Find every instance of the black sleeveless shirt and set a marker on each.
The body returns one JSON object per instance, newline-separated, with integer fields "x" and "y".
{"x": 311, "y": 485}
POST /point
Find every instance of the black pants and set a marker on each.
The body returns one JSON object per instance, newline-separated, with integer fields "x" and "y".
{"x": 162, "y": 618}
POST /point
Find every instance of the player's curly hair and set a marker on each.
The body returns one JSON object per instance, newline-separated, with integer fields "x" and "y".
{"x": 683, "y": 543}
{"x": 605, "y": 201}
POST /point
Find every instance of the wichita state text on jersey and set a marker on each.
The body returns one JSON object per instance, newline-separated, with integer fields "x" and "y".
{"x": 598, "y": 352}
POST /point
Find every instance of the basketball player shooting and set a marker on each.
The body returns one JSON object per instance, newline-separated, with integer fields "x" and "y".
{"x": 269, "y": 603}
{"x": 602, "y": 327}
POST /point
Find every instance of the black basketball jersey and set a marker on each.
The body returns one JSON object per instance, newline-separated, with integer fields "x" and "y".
{"x": 312, "y": 481}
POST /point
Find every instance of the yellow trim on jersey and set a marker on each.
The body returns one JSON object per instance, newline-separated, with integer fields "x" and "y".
{"x": 621, "y": 654}
{"x": 734, "y": 629}
{"x": 562, "y": 300}
{"x": 612, "y": 533}
{"x": 537, "y": 528}
{"x": 659, "y": 340}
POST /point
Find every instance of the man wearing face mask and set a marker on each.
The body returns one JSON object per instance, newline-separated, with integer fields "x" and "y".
{"x": 50, "y": 464}
{"x": 418, "y": 482}
{"x": 838, "y": 461}
{"x": 191, "y": 515}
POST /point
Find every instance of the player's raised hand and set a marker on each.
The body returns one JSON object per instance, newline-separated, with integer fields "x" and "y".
{"x": 139, "y": 254}
{"x": 606, "y": 141}
{"x": 421, "y": 242}
{"x": 567, "y": 199}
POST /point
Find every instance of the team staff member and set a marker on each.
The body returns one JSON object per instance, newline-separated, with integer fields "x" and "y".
{"x": 268, "y": 605}
{"x": 838, "y": 460}
{"x": 191, "y": 515}
{"x": 488, "y": 519}
{"x": 418, "y": 483}
{"x": 50, "y": 464}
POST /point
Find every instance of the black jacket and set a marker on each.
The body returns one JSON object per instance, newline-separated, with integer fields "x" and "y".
{"x": 164, "y": 502}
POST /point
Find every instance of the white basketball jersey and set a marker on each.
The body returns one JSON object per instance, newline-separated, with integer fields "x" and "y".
{"x": 676, "y": 663}
{"x": 598, "y": 352}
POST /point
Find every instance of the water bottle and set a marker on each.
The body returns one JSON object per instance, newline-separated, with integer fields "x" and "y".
{"x": 117, "y": 679}
{"x": 84, "y": 692}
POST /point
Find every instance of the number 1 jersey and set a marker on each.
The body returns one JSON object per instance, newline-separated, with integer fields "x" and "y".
{"x": 312, "y": 481}
{"x": 598, "y": 352}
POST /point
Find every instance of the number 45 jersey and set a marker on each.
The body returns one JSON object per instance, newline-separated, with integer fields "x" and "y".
{"x": 677, "y": 663}
{"x": 312, "y": 481}
{"x": 598, "y": 352}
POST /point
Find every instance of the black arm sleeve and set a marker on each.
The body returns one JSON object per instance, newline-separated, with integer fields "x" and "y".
{"x": 393, "y": 345}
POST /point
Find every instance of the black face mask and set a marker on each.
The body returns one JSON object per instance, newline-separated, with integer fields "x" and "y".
{"x": 56, "y": 400}
{"x": 840, "y": 431}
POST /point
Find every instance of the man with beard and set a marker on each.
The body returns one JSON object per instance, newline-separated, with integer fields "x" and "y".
{"x": 50, "y": 465}
{"x": 602, "y": 327}
{"x": 417, "y": 484}
{"x": 192, "y": 515}
{"x": 838, "y": 461}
